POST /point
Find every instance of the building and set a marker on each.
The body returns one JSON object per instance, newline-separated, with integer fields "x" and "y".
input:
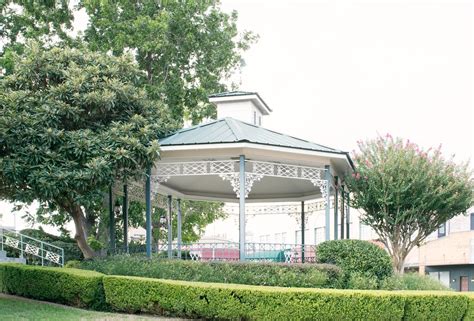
{"x": 448, "y": 254}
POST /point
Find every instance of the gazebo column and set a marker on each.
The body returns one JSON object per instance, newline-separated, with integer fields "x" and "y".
{"x": 328, "y": 205}
{"x": 343, "y": 204}
{"x": 111, "y": 220}
{"x": 336, "y": 205}
{"x": 148, "y": 212}
{"x": 348, "y": 216}
{"x": 242, "y": 208}
{"x": 170, "y": 231}
{"x": 302, "y": 231}
{"x": 125, "y": 217}
{"x": 180, "y": 222}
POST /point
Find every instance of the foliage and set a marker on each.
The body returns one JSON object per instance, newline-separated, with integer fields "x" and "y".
{"x": 228, "y": 301}
{"x": 46, "y": 21}
{"x": 95, "y": 244}
{"x": 220, "y": 301}
{"x": 61, "y": 285}
{"x": 412, "y": 281}
{"x": 355, "y": 256}
{"x": 469, "y": 316}
{"x": 185, "y": 51}
{"x": 407, "y": 192}
{"x": 186, "y": 48}
{"x": 296, "y": 275}
{"x": 73, "y": 121}
{"x": 362, "y": 281}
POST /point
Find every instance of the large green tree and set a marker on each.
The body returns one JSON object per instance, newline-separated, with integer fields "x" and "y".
{"x": 407, "y": 192}
{"x": 71, "y": 123}
{"x": 187, "y": 48}
{"x": 42, "y": 21}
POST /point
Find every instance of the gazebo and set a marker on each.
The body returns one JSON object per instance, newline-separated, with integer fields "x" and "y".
{"x": 235, "y": 160}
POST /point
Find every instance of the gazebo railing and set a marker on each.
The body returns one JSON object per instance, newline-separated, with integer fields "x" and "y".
{"x": 229, "y": 251}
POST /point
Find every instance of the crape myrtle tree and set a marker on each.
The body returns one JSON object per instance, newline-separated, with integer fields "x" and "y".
{"x": 407, "y": 192}
{"x": 71, "y": 123}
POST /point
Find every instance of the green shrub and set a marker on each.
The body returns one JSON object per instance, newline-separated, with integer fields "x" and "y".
{"x": 412, "y": 281}
{"x": 361, "y": 281}
{"x": 73, "y": 287}
{"x": 220, "y": 301}
{"x": 224, "y": 301}
{"x": 228, "y": 301}
{"x": 355, "y": 256}
{"x": 253, "y": 273}
{"x": 469, "y": 316}
{"x": 438, "y": 306}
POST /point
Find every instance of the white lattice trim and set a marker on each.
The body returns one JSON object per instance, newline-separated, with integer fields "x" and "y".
{"x": 53, "y": 257}
{"x": 12, "y": 242}
{"x": 31, "y": 249}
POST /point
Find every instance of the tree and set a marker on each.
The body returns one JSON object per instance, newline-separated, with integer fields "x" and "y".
{"x": 186, "y": 48}
{"x": 407, "y": 192}
{"x": 45, "y": 21}
{"x": 71, "y": 123}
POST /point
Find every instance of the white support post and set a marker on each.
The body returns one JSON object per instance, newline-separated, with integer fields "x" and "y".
{"x": 170, "y": 231}
{"x": 242, "y": 208}
{"x": 180, "y": 222}
{"x": 328, "y": 205}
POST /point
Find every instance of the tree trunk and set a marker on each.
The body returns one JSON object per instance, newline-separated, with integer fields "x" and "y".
{"x": 398, "y": 259}
{"x": 81, "y": 234}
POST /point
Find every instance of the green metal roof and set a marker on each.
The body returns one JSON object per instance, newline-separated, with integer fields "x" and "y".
{"x": 230, "y": 130}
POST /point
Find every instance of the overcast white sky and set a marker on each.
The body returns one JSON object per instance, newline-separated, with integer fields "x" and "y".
{"x": 338, "y": 71}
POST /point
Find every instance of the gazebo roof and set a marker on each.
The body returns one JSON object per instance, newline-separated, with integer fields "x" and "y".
{"x": 230, "y": 130}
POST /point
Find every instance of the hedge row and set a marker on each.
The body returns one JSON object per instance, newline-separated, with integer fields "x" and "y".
{"x": 73, "y": 287}
{"x": 228, "y": 301}
{"x": 250, "y": 273}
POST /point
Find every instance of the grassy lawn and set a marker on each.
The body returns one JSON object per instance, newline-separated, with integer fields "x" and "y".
{"x": 20, "y": 309}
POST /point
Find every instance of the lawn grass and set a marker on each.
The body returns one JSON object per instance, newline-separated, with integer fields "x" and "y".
{"x": 21, "y": 309}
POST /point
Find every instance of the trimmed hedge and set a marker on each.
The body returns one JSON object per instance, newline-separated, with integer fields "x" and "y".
{"x": 355, "y": 256}
{"x": 221, "y": 301}
{"x": 470, "y": 308}
{"x": 73, "y": 287}
{"x": 251, "y": 273}
{"x": 228, "y": 301}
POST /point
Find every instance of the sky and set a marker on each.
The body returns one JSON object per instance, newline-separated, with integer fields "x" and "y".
{"x": 335, "y": 72}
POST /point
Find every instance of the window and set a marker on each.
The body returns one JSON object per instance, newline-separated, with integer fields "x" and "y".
{"x": 254, "y": 117}
{"x": 442, "y": 277}
{"x": 298, "y": 236}
{"x": 259, "y": 120}
{"x": 472, "y": 221}
{"x": 442, "y": 230}
{"x": 319, "y": 235}
{"x": 280, "y": 238}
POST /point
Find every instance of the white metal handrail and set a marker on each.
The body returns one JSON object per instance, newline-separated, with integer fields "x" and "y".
{"x": 32, "y": 246}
